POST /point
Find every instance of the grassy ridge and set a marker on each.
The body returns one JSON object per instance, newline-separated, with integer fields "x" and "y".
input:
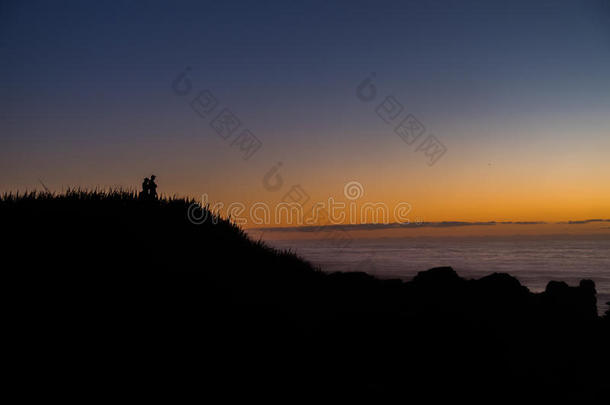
{"x": 157, "y": 229}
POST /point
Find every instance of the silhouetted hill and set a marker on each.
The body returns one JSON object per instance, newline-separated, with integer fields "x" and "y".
{"x": 123, "y": 297}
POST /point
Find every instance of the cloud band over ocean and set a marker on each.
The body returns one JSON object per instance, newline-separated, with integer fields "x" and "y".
{"x": 441, "y": 224}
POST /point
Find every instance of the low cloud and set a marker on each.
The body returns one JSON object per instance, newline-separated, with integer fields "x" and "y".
{"x": 396, "y": 225}
{"x": 370, "y": 227}
{"x": 524, "y": 222}
{"x": 585, "y": 221}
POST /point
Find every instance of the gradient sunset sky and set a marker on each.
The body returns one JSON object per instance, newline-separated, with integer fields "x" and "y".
{"x": 517, "y": 91}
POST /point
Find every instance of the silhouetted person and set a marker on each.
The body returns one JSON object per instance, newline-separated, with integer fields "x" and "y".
{"x": 152, "y": 187}
{"x": 145, "y": 193}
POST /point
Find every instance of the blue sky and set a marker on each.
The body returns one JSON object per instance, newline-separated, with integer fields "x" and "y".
{"x": 86, "y": 92}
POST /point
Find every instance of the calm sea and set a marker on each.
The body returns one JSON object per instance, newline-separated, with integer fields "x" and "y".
{"x": 533, "y": 261}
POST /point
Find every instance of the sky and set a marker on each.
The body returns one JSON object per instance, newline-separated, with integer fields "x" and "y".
{"x": 511, "y": 101}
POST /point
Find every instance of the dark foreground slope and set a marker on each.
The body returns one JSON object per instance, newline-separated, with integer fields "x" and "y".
{"x": 126, "y": 299}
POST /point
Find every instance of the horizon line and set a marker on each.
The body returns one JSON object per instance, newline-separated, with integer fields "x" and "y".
{"x": 425, "y": 224}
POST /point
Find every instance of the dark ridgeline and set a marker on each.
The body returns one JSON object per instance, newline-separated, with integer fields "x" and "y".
{"x": 123, "y": 297}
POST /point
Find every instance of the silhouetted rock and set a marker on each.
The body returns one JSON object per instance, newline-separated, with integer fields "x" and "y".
{"x": 587, "y": 298}
{"x": 502, "y": 284}
{"x": 571, "y": 302}
{"x": 500, "y": 294}
{"x": 556, "y": 288}
{"x": 438, "y": 276}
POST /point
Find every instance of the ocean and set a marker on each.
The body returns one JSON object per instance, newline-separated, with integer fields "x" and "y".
{"x": 534, "y": 261}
